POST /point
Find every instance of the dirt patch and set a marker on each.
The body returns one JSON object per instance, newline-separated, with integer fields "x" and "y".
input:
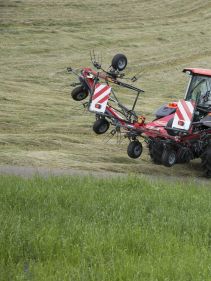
{"x": 28, "y": 172}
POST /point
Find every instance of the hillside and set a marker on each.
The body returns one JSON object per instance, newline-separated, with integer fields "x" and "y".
{"x": 39, "y": 123}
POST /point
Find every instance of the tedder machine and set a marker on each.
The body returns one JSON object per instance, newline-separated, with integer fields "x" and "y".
{"x": 180, "y": 131}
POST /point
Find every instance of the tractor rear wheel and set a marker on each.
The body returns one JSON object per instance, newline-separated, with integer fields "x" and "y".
{"x": 206, "y": 161}
{"x": 155, "y": 152}
{"x": 169, "y": 157}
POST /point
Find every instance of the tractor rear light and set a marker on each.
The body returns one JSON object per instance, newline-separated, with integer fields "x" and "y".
{"x": 181, "y": 123}
{"x": 172, "y": 105}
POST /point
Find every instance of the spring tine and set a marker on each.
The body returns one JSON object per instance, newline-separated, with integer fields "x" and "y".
{"x": 85, "y": 108}
{"x": 90, "y": 55}
{"x": 109, "y": 136}
{"x": 94, "y": 55}
{"x": 119, "y": 137}
{"x": 77, "y": 107}
{"x": 136, "y": 76}
{"x": 73, "y": 108}
{"x": 122, "y": 140}
{"x": 86, "y": 111}
{"x": 106, "y": 139}
{"x": 80, "y": 106}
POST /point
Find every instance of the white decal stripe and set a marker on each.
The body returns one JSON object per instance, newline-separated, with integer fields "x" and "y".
{"x": 190, "y": 106}
{"x": 98, "y": 89}
{"x": 185, "y": 115}
{"x": 183, "y": 112}
{"x": 102, "y": 96}
{"x": 175, "y": 121}
{"x": 176, "y": 125}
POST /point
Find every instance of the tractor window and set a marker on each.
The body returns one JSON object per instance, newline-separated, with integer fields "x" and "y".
{"x": 200, "y": 90}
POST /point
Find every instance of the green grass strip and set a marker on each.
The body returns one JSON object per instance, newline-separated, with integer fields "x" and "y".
{"x": 73, "y": 228}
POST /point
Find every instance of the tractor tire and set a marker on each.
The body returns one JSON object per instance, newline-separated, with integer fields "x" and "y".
{"x": 119, "y": 62}
{"x": 169, "y": 157}
{"x": 155, "y": 153}
{"x": 79, "y": 93}
{"x": 184, "y": 156}
{"x": 101, "y": 126}
{"x": 206, "y": 161}
{"x": 134, "y": 149}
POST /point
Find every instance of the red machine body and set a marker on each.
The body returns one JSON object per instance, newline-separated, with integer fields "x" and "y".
{"x": 181, "y": 130}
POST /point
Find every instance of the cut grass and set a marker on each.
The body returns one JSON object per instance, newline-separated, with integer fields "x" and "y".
{"x": 119, "y": 229}
{"x": 39, "y": 39}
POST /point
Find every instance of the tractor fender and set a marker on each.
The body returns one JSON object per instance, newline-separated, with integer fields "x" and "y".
{"x": 206, "y": 121}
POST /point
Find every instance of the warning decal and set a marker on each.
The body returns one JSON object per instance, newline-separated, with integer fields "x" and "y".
{"x": 183, "y": 115}
{"x": 100, "y": 98}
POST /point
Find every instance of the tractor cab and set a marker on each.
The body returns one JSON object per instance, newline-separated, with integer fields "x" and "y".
{"x": 199, "y": 88}
{"x": 195, "y": 108}
{"x": 198, "y": 94}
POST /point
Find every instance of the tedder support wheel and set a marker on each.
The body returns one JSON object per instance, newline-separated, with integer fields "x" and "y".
{"x": 119, "y": 62}
{"x": 206, "y": 161}
{"x": 79, "y": 93}
{"x": 134, "y": 149}
{"x": 100, "y": 126}
{"x": 169, "y": 157}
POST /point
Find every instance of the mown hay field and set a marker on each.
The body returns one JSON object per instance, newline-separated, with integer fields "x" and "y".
{"x": 39, "y": 123}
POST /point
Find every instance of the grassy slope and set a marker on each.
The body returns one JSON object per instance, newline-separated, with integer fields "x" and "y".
{"x": 39, "y": 39}
{"x": 89, "y": 229}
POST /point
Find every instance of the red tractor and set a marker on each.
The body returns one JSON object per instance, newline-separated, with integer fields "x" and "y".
{"x": 182, "y": 130}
